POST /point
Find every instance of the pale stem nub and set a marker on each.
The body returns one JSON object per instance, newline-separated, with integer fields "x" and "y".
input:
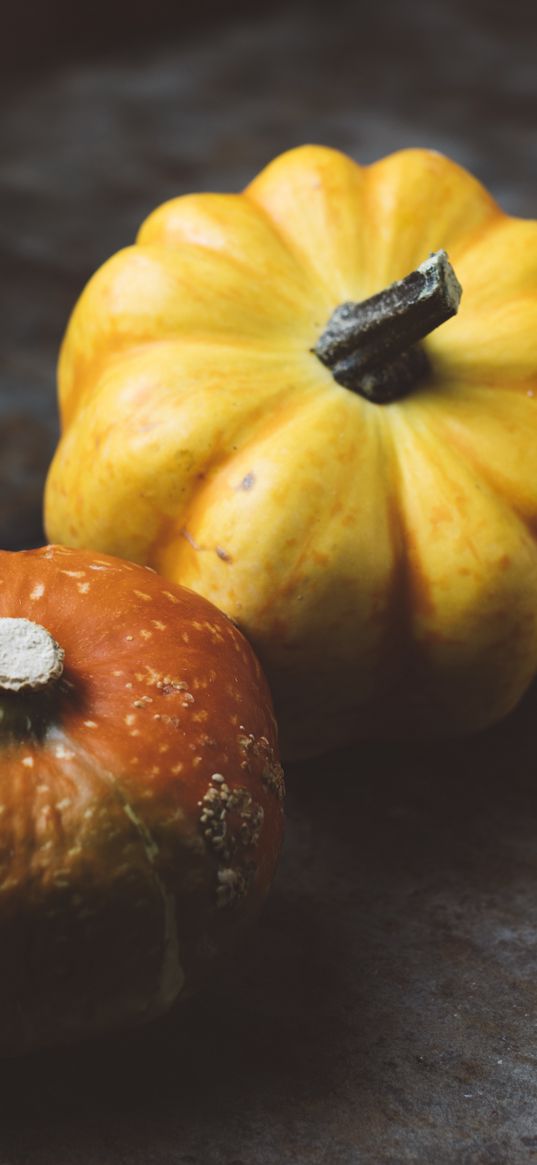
{"x": 30, "y": 659}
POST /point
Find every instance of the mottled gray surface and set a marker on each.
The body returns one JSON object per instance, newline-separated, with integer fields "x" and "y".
{"x": 386, "y": 1008}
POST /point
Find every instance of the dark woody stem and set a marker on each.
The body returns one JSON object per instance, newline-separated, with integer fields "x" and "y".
{"x": 371, "y": 347}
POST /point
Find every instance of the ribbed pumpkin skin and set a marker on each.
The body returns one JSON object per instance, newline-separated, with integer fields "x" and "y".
{"x": 381, "y": 559}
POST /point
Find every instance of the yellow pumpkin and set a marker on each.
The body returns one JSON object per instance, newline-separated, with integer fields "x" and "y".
{"x": 381, "y": 557}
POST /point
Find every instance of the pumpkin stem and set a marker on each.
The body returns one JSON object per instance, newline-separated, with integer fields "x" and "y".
{"x": 30, "y": 659}
{"x": 370, "y": 347}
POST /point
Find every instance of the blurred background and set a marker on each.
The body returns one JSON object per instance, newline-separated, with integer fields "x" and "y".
{"x": 388, "y": 1010}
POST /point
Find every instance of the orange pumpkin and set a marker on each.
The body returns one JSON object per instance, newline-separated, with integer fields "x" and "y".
{"x": 140, "y": 792}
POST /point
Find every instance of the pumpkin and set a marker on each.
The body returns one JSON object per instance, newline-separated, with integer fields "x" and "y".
{"x": 257, "y": 400}
{"x": 140, "y": 793}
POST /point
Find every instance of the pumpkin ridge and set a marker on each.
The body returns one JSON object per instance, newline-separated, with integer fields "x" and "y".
{"x": 343, "y": 166}
{"x": 111, "y": 364}
{"x": 504, "y": 357}
{"x": 270, "y": 423}
{"x": 402, "y": 583}
{"x": 202, "y": 530}
{"x": 385, "y": 220}
{"x": 478, "y": 235}
{"x": 255, "y": 410}
{"x": 449, "y": 165}
{"x": 253, "y": 207}
{"x": 496, "y": 606}
{"x": 503, "y": 266}
{"x": 496, "y": 479}
{"x": 226, "y": 257}
{"x": 299, "y": 256}
{"x": 107, "y": 299}
{"x": 458, "y": 459}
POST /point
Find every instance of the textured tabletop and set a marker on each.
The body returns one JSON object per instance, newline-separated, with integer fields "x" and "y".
{"x": 384, "y": 1009}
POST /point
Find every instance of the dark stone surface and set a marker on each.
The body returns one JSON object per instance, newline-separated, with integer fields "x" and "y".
{"x": 385, "y": 1007}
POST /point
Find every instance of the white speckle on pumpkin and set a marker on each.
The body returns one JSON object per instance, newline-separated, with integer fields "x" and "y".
{"x": 37, "y": 591}
{"x": 172, "y": 598}
{"x": 63, "y": 753}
